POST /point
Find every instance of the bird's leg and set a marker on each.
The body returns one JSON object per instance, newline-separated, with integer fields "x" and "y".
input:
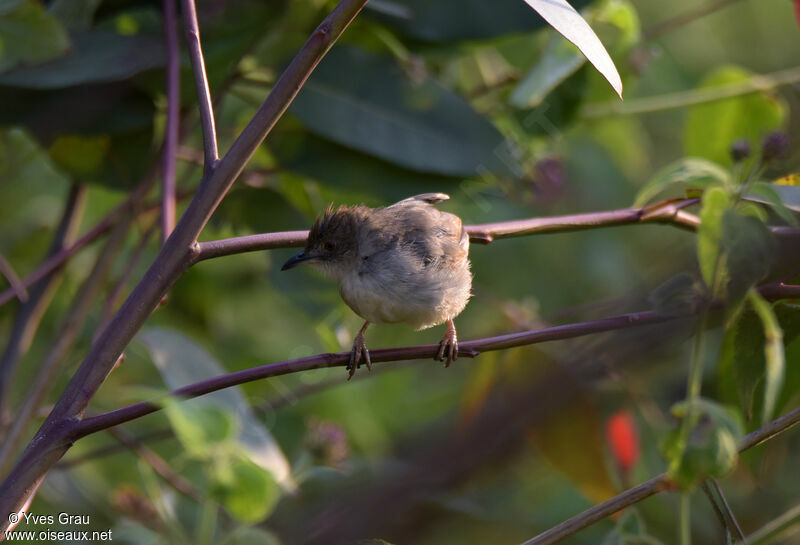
{"x": 359, "y": 348}
{"x": 448, "y": 348}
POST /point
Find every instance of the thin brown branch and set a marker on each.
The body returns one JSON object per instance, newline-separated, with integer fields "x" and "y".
{"x": 114, "y": 294}
{"x": 171, "y": 128}
{"x": 653, "y": 486}
{"x": 30, "y": 314}
{"x": 159, "y": 465}
{"x": 58, "y": 259}
{"x": 114, "y": 448}
{"x": 728, "y": 512}
{"x": 717, "y": 510}
{"x": 466, "y": 348}
{"x": 211, "y": 153}
{"x": 281, "y": 400}
{"x": 13, "y": 280}
{"x": 777, "y": 529}
{"x": 668, "y": 212}
{"x": 68, "y": 332}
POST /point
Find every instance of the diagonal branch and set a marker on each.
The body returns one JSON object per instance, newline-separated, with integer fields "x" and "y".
{"x": 171, "y": 128}
{"x": 204, "y": 103}
{"x": 67, "y": 335}
{"x": 320, "y": 361}
{"x": 59, "y": 257}
{"x": 52, "y": 440}
{"x": 30, "y": 314}
{"x": 13, "y": 280}
{"x": 467, "y": 348}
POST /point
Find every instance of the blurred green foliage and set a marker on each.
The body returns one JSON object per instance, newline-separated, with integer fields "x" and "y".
{"x": 484, "y": 102}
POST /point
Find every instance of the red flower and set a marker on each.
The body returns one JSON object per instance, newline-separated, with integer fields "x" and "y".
{"x": 623, "y": 439}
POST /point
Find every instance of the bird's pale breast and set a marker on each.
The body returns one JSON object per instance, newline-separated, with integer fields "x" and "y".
{"x": 413, "y": 267}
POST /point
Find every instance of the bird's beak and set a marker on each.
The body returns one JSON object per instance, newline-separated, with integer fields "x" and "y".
{"x": 297, "y": 259}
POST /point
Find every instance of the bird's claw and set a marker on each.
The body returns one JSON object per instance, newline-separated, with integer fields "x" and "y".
{"x": 448, "y": 348}
{"x": 359, "y": 349}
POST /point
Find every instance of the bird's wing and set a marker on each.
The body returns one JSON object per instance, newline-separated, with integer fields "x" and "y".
{"x": 430, "y": 198}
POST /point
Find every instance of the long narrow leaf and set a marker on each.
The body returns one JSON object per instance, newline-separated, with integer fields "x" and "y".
{"x": 569, "y": 23}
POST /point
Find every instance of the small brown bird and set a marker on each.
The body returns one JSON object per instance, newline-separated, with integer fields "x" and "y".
{"x": 407, "y": 262}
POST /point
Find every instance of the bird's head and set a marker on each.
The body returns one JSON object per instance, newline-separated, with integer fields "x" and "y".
{"x": 332, "y": 241}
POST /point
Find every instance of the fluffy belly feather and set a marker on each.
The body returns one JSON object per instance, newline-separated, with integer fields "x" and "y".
{"x": 421, "y": 304}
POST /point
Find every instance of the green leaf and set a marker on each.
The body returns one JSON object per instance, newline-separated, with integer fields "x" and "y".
{"x": 421, "y": 126}
{"x": 348, "y": 175}
{"x": 569, "y": 23}
{"x": 246, "y": 490}
{"x": 712, "y": 450}
{"x": 250, "y": 535}
{"x": 448, "y": 20}
{"x": 712, "y": 127}
{"x": 75, "y": 14}
{"x": 181, "y": 361}
{"x": 773, "y": 353}
{"x": 709, "y": 234}
{"x": 95, "y": 57}
{"x": 200, "y": 427}
{"x": 80, "y": 156}
{"x": 741, "y": 362}
{"x": 559, "y": 60}
{"x": 687, "y": 173}
{"x": 768, "y": 194}
{"x": 749, "y": 250}
{"x": 29, "y": 35}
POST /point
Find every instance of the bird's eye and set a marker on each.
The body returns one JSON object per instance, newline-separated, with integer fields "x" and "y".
{"x": 327, "y": 246}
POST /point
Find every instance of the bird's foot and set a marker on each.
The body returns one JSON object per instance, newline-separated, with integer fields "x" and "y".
{"x": 359, "y": 350}
{"x": 448, "y": 348}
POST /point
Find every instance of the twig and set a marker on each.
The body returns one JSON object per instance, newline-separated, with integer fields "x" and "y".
{"x": 717, "y": 510}
{"x": 67, "y": 334}
{"x": 13, "y": 280}
{"x": 320, "y": 361}
{"x": 57, "y": 259}
{"x": 653, "y": 486}
{"x": 108, "y": 450}
{"x": 691, "y": 97}
{"x": 667, "y": 212}
{"x": 272, "y": 404}
{"x": 30, "y": 314}
{"x": 780, "y": 527}
{"x": 468, "y": 348}
{"x": 171, "y": 129}
{"x": 159, "y": 465}
{"x": 52, "y": 440}
{"x": 211, "y": 153}
{"x": 683, "y": 18}
{"x": 727, "y": 509}
{"x": 113, "y": 296}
